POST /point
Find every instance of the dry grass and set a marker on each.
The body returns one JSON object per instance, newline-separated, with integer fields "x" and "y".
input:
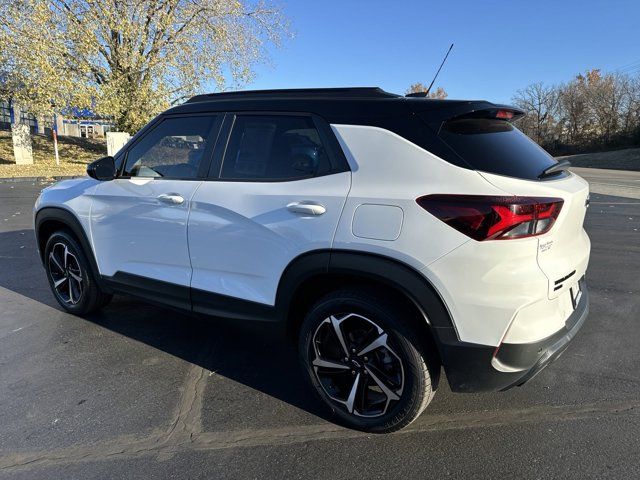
{"x": 74, "y": 153}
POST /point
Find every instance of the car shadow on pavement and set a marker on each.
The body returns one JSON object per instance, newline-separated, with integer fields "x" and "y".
{"x": 254, "y": 354}
{"x": 20, "y": 267}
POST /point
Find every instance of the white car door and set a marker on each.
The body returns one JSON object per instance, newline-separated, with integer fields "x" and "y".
{"x": 139, "y": 220}
{"x": 278, "y": 192}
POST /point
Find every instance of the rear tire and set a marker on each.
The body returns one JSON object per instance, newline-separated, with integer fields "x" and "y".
{"x": 365, "y": 360}
{"x": 70, "y": 276}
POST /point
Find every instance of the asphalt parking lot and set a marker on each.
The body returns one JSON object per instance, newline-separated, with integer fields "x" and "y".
{"x": 142, "y": 392}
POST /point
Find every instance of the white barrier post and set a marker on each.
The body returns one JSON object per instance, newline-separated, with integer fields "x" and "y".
{"x": 22, "y": 151}
{"x": 115, "y": 141}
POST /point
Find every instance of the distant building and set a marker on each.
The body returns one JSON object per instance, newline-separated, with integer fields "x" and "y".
{"x": 76, "y": 122}
{"x": 8, "y": 116}
{"x": 73, "y": 123}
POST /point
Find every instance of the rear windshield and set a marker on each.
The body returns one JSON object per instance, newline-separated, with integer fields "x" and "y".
{"x": 495, "y": 146}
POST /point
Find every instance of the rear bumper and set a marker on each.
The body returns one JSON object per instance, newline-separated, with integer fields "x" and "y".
{"x": 469, "y": 366}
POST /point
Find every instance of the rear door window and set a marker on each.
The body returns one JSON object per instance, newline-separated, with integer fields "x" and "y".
{"x": 274, "y": 148}
{"x": 495, "y": 146}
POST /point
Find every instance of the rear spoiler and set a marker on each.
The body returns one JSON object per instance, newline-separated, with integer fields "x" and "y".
{"x": 501, "y": 112}
{"x": 473, "y": 109}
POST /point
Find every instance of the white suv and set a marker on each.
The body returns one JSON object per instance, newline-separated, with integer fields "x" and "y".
{"x": 390, "y": 235}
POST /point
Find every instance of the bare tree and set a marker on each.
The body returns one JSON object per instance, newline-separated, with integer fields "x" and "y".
{"x": 631, "y": 114}
{"x": 593, "y": 110}
{"x": 541, "y": 104}
{"x": 420, "y": 87}
{"x": 605, "y": 95}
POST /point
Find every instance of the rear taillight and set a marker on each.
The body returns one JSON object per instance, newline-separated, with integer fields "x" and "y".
{"x": 494, "y": 218}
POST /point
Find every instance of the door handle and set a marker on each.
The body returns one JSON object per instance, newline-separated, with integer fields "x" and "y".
{"x": 171, "y": 198}
{"x": 307, "y": 208}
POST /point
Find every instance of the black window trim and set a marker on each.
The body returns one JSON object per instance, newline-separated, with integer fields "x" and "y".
{"x": 335, "y": 154}
{"x": 207, "y": 157}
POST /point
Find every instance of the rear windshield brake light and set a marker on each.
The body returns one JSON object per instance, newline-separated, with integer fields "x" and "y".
{"x": 504, "y": 114}
{"x": 493, "y": 217}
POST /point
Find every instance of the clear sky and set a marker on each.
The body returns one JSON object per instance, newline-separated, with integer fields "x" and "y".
{"x": 500, "y": 45}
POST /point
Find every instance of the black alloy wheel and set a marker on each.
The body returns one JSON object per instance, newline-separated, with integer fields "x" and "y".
{"x": 355, "y": 364}
{"x": 70, "y": 275}
{"x": 364, "y": 356}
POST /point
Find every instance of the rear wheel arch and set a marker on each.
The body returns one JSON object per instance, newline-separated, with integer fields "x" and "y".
{"x": 313, "y": 275}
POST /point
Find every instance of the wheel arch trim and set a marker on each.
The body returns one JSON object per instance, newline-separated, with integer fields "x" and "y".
{"x": 374, "y": 267}
{"x": 71, "y": 221}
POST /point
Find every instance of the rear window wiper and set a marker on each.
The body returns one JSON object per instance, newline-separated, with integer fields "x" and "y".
{"x": 555, "y": 168}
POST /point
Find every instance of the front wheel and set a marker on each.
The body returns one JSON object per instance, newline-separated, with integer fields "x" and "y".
{"x": 70, "y": 276}
{"x": 365, "y": 361}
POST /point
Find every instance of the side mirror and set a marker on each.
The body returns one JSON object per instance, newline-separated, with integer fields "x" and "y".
{"x": 102, "y": 169}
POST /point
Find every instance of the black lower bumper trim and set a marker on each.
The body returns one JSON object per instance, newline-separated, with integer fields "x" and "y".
{"x": 468, "y": 366}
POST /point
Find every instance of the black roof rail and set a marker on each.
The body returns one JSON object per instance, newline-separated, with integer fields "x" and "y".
{"x": 346, "y": 92}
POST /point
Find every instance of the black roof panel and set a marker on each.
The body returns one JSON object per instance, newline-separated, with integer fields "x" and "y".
{"x": 344, "y": 92}
{"x": 350, "y": 105}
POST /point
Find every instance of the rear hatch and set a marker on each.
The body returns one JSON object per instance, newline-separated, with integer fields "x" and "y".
{"x": 486, "y": 141}
{"x": 563, "y": 252}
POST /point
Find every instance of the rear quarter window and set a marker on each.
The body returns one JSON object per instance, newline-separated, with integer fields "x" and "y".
{"x": 495, "y": 146}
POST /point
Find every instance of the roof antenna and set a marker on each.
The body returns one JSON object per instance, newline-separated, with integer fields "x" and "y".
{"x": 434, "y": 78}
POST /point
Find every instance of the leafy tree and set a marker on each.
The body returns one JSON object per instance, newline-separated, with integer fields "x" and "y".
{"x": 607, "y": 99}
{"x": 421, "y": 87}
{"x": 130, "y": 59}
{"x": 573, "y": 109}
